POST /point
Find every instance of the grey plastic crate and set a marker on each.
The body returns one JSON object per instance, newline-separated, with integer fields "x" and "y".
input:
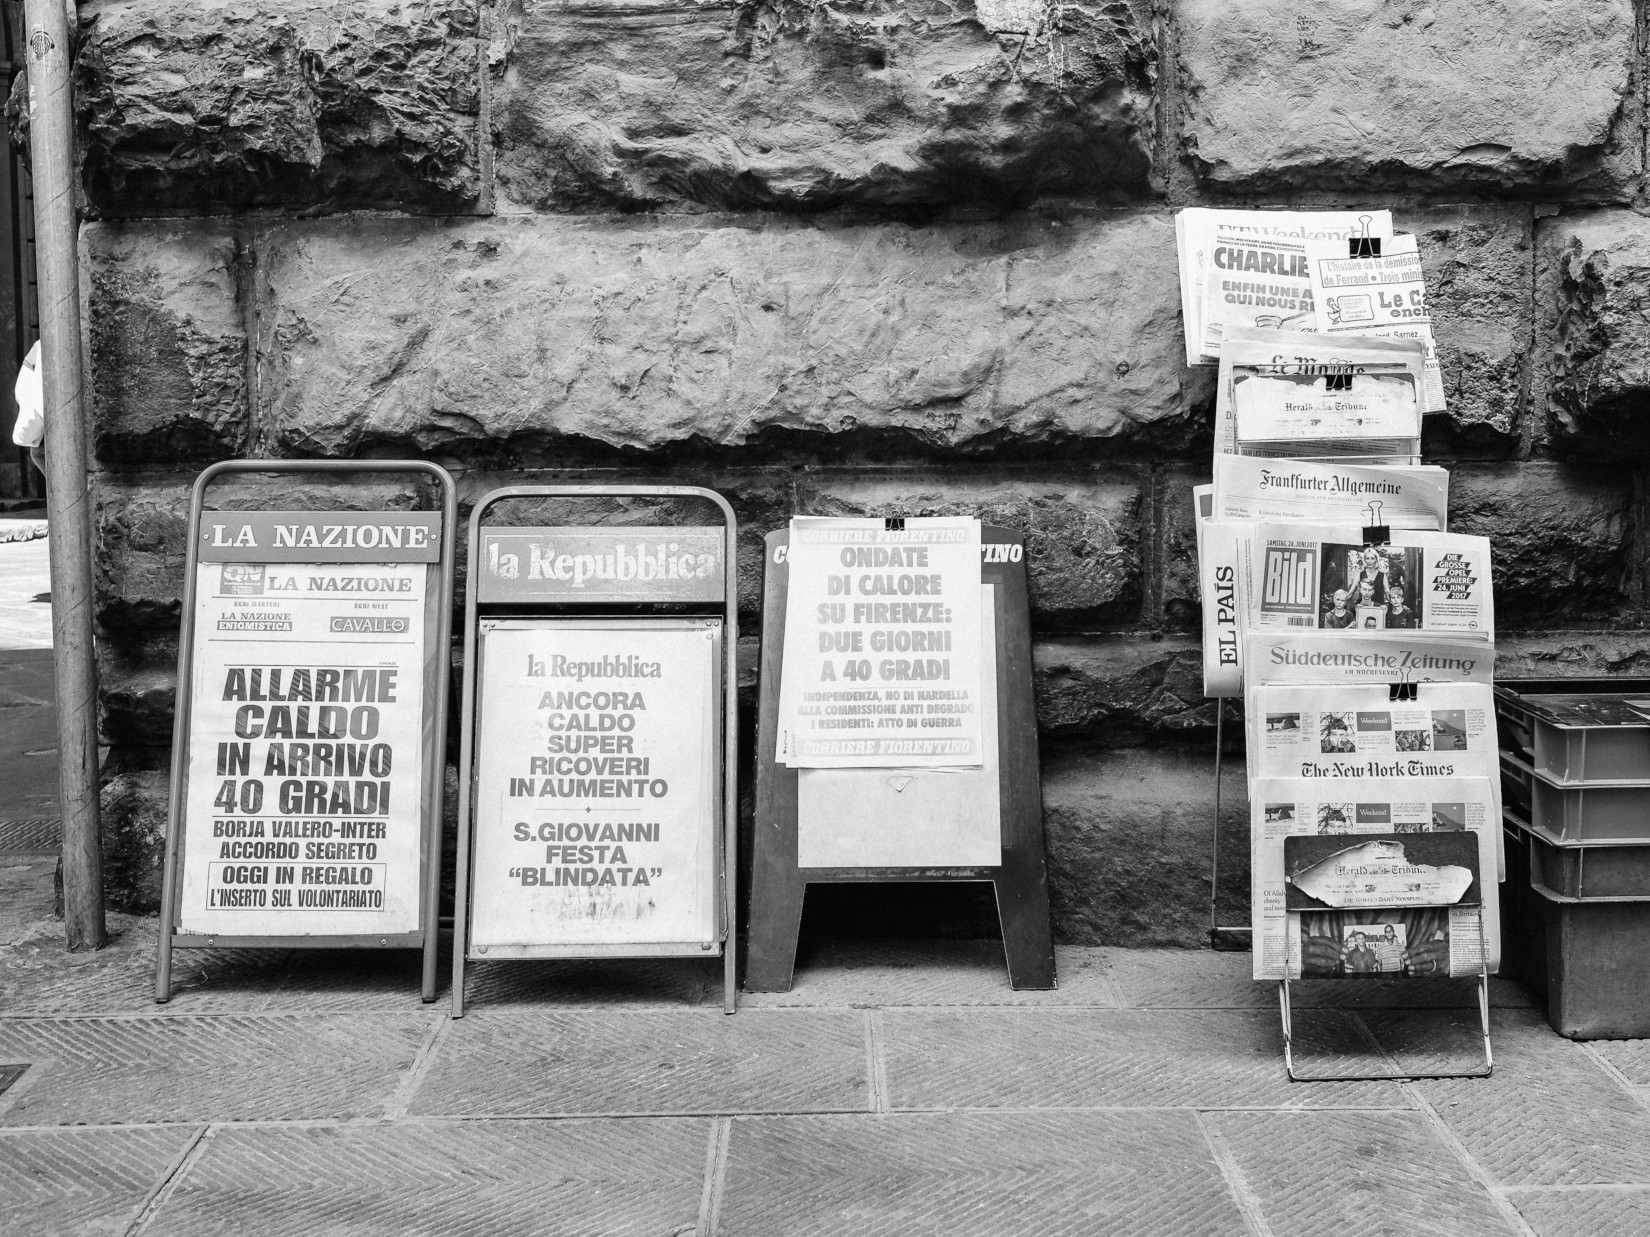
{"x": 1579, "y": 737}
{"x": 1570, "y": 813}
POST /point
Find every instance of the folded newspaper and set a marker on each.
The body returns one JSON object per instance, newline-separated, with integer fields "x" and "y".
{"x": 1337, "y": 397}
{"x": 1259, "y": 254}
{"x": 1384, "y": 657}
{"x": 1302, "y": 491}
{"x": 1320, "y": 577}
{"x": 1376, "y": 296}
{"x": 1344, "y": 730}
{"x": 1437, "y": 930}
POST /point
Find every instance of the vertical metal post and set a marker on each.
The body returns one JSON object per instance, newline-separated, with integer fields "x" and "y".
{"x": 51, "y": 138}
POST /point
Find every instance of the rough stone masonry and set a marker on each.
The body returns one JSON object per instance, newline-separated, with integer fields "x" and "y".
{"x": 856, "y": 256}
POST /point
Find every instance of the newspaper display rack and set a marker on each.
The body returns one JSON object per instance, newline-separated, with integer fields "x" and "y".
{"x": 1304, "y": 583}
{"x": 307, "y": 755}
{"x": 598, "y": 805}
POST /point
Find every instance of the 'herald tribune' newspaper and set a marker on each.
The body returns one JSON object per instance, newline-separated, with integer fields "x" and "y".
{"x": 1426, "y": 939}
{"x": 1357, "y": 398}
{"x": 1300, "y": 491}
{"x": 1377, "y": 296}
{"x": 1247, "y": 247}
{"x": 1323, "y": 578}
{"x": 1341, "y": 730}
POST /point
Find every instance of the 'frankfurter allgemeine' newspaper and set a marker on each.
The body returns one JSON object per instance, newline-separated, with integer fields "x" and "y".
{"x": 1323, "y": 578}
{"x": 1246, "y": 249}
{"x": 1354, "y": 398}
{"x": 1355, "y": 731}
{"x": 1431, "y": 935}
{"x": 1302, "y": 491}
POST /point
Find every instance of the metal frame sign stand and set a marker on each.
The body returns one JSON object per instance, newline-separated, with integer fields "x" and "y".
{"x": 598, "y": 811}
{"x": 309, "y": 747}
{"x": 885, "y": 803}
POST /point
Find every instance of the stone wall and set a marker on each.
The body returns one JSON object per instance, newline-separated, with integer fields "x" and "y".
{"x": 866, "y": 256}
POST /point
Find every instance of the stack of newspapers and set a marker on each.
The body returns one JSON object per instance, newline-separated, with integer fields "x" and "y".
{"x": 1359, "y": 631}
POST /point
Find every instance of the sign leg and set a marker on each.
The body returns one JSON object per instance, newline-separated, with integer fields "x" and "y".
{"x": 776, "y": 920}
{"x": 1022, "y": 908}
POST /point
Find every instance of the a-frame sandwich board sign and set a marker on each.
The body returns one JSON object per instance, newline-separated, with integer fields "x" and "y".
{"x": 875, "y": 800}
{"x": 598, "y": 783}
{"x": 309, "y": 743}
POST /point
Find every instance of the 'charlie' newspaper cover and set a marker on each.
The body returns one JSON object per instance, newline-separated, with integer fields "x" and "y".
{"x": 1304, "y": 492}
{"x": 1341, "y": 397}
{"x": 1259, "y": 238}
{"x": 1325, "y": 578}
{"x": 1341, "y": 730}
{"x": 1298, "y": 807}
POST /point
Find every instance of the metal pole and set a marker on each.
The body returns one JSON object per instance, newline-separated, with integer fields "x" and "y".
{"x": 51, "y": 140}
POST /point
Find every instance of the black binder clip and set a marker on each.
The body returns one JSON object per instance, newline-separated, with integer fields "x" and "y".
{"x": 894, "y": 523}
{"x": 1404, "y": 689}
{"x": 1337, "y": 382}
{"x": 1363, "y": 245}
{"x": 1375, "y": 532}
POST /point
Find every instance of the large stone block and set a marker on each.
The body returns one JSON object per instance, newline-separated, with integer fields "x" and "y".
{"x": 168, "y": 341}
{"x": 596, "y": 335}
{"x": 1129, "y": 835}
{"x": 225, "y": 104}
{"x": 142, "y": 529}
{"x": 1526, "y": 95}
{"x": 1479, "y": 263}
{"x": 1117, "y": 690}
{"x": 1083, "y": 531}
{"x": 789, "y": 105}
{"x": 1598, "y": 354}
{"x": 1561, "y": 538}
{"x": 1572, "y": 655}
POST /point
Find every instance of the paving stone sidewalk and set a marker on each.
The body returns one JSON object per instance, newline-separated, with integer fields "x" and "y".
{"x": 902, "y": 1087}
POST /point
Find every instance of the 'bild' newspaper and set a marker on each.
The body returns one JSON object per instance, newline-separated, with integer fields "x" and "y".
{"x": 1316, "y": 578}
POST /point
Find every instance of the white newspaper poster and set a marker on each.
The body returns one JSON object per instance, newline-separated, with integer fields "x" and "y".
{"x": 882, "y": 644}
{"x": 595, "y": 788}
{"x": 1296, "y": 807}
{"x": 305, "y": 772}
{"x": 909, "y": 818}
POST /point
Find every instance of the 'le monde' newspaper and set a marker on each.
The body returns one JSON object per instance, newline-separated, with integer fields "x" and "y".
{"x": 1430, "y": 934}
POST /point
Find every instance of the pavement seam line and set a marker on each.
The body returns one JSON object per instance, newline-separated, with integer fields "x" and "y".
{"x": 876, "y": 1065}
{"x": 1237, "y": 1185}
{"x": 1615, "y": 1074}
{"x": 1110, "y": 986}
{"x": 175, "y": 1173}
{"x": 402, "y": 1097}
{"x": 716, "y": 1169}
{"x": 1498, "y": 1194}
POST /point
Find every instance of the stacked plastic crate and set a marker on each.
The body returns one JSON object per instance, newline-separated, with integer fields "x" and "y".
{"x": 1575, "y": 769}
